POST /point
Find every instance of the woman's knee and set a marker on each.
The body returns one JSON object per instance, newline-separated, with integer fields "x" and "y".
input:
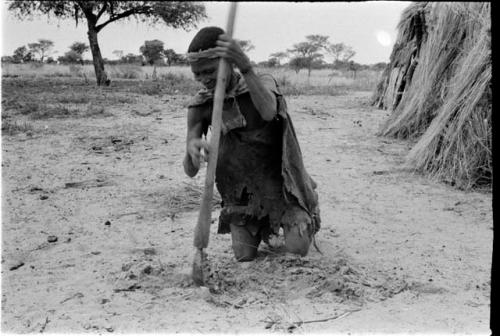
{"x": 242, "y": 253}
{"x": 244, "y": 243}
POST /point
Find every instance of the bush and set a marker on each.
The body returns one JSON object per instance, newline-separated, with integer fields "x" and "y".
{"x": 76, "y": 70}
{"x": 126, "y": 72}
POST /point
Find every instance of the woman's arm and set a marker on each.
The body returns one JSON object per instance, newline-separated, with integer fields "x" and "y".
{"x": 194, "y": 143}
{"x": 262, "y": 97}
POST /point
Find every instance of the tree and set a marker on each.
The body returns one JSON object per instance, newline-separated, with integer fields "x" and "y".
{"x": 79, "y": 48}
{"x": 70, "y": 57}
{"x": 272, "y": 62}
{"x": 171, "y": 56}
{"x": 298, "y": 63}
{"x": 152, "y": 51}
{"x": 246, "y": 45}
{"x": 341, "y": 54}
{"x": 131, "y": 58}
{"x": 22, "y": 55}
{"x": 98, "y": 14}
{"x": 279, "y": 56}
{"x": 118, "y": 53}
{"x": 354, "y": 67}
{"x": 307, "y": 53}
{"x": 75, "y": 53}
{"x": 380, "y": 66}
{"x": 42, "y": 48}
{"x": 348, "y": 54}
{"x": 7, "y": 59}
{"x": 335, "y": 50}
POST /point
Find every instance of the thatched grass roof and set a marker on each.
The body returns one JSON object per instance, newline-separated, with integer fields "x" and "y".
{"x": 437, "y": 86}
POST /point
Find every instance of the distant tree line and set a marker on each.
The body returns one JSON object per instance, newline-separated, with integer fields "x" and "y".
{"x": 308, "y": 54}
{"x": 98, "y": 14}
{"x": 151, "y": 52}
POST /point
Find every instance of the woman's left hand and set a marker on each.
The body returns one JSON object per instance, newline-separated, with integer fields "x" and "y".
{"x": 231, "y": 50}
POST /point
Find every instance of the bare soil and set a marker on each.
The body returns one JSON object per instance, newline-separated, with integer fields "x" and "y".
{"x": 98, "y": 219}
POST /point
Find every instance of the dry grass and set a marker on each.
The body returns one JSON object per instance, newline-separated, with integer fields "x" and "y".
{"x": 323, "y": 81}
{"x": 457, "y": 144}
{"x": 13, "y": 127}
{"x": 428, "y": 86}
{"x": 188, "y": 197}
{"x": 446, "y": 102}
{"x": 44, "y": 98}
{"x": 411, "y": 33}
{"x": 179, "y": 79}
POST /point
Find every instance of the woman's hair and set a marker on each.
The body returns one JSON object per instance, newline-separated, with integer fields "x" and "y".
{"x": 205, "y": 39}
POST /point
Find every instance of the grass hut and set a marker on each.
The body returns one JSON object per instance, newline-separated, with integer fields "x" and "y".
{"x": 438, "y": 88}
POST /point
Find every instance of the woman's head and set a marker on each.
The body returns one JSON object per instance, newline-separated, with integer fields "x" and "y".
{"x": 205, "y": 39}
{"x": 202, "y": 58}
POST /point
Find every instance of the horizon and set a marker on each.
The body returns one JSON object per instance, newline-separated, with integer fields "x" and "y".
{"x": 369, "y": 27}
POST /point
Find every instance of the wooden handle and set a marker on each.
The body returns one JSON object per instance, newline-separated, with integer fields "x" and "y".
{"x": 202, "y": 230}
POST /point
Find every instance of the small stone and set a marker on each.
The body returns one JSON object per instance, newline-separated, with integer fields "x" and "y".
{"x": 334, "y": 285}
{"x": 126, "y": 267}
{"x": 344, "y": 270}
{"x": 150, "y": 251}
{"x": 203, "y": 293}
{"x": 246, "y": 264}
{"x": 104, "y": 301}
{"x": 44, "y": 197}
{"x": 52, "y": 239}
{"x": 108, "y": 223}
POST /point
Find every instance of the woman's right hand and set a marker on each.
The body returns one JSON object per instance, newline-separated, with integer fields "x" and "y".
{"x": 194, "y": 148}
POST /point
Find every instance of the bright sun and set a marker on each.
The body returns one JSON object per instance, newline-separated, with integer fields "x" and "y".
{"x": 383, "y": 38}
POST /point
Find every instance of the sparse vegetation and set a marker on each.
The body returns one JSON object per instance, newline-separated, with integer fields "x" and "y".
{"x": 99, "y": 14}
{"x": 13, "y": 127}
{"x": 179, "y": 79}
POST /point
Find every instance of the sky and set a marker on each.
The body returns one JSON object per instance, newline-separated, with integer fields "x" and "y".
{"x": 368, "y": 27}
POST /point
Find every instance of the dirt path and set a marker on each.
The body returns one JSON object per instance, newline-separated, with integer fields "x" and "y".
{"x": 401, "y": 253}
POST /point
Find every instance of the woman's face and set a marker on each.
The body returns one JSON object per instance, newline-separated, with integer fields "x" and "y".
{"x": 205, "y": 72}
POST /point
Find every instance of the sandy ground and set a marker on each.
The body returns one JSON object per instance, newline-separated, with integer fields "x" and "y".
{"x": 98, "y": 222}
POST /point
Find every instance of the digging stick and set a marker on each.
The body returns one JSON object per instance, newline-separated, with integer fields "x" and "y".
{"x": 202, "y": 229}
